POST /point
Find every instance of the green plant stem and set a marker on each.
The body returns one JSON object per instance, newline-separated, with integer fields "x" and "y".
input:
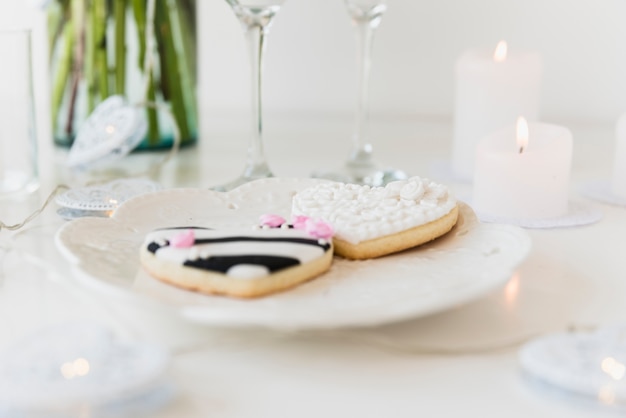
{"x": 170, "y": 71}
{"x": 119, "y": 12}
{"x": 55, "y": 23}
{"x": 78, "y": 17}
{"x": 139, "y": 11}
{"x": 153, "y": 122}
{"x": 90, "y": 56}
{"x": 102, "y": 65}
{"x": 184, "y": 24}
{"x": 63, "y": 69}
{"x": 186, "y": 12}
{"x": 163, "y": 81}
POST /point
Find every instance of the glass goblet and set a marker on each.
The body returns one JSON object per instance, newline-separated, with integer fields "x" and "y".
{"x": 256, "y": 17}
{"x": 361, "y": 168}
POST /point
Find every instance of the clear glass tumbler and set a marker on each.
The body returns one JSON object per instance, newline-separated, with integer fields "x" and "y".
{"x": 18, "y": 138}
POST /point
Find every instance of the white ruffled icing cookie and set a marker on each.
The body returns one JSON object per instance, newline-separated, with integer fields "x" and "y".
{"x": 380, "y": 219}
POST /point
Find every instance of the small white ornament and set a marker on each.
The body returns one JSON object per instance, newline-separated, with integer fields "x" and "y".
{"x": 105, "y": 197}
{"x": 112, "y": 130}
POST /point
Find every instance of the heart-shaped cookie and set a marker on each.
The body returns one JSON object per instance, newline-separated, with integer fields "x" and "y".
{"x": 371, "y": 222}
{"x": 239, "y": 262}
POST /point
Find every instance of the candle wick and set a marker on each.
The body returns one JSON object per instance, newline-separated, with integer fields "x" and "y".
{"x": 521, "y": 150}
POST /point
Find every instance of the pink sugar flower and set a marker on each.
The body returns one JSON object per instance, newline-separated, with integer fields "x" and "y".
{"x": 183, "y": 240}
{"x": 273, "y": 221}
{"x": 299, "y": 221}
{"x": 319, "y": 229}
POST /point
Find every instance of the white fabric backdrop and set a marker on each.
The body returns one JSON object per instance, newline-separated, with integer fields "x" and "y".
{"x": 310, "y": 63}
{"x": 310, "y": 55}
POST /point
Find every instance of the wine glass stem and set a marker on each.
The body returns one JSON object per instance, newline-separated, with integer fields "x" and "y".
{"x": 365, "y": 37}
{"x": 256, "y": 165}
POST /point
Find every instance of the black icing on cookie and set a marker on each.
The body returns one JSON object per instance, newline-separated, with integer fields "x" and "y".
{"x": 218, "y": 252}
{"x": 225, "y": 263}
{"x": 154, "y": 246}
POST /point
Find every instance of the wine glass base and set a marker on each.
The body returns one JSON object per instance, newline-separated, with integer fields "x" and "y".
{"x": 226, "y": 187}
{"x": 374, "y": 177}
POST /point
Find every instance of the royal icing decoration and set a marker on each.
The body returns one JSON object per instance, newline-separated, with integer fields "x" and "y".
{"x": 238, "y": 254}
{"x": 273, "y": 221}
{"x": 299, "y": 221}
{"x": 318, "y": 229}
{"x": 183, "y": 240}
{"x": 314, "y": 227}
{"x": 359, "y": 213}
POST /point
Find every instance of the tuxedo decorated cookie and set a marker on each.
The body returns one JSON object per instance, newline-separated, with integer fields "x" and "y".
{"x": 243, "y": 263}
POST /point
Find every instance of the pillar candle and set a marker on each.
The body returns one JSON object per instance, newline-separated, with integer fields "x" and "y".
{"x": 492, "y": 89}
{"x": 618, "y": 183}
{"x": 523, "y": 171}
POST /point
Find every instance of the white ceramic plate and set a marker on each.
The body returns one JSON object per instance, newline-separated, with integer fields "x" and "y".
{"x": 470, "y": 261}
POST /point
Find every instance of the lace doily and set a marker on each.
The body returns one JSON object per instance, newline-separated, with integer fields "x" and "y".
{"x": 69, "y": 366}
{"x": 589, "y": 364}
{"x": 579, "y": 214}
{"x": 600, "y": 190}
{"x": 105, "y": 197}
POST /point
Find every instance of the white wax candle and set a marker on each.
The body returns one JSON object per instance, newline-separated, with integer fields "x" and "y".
{"x": 492, "y": 89}
{"x": 519, "y": 181}
{"x": 618, "y": 184}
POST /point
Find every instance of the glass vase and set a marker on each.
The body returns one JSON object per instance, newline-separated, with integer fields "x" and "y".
{"x": 98, "y": 48}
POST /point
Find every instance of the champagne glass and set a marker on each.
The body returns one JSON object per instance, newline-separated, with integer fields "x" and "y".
{"x": 361, "y": 168}
{"x": 256, "y": 17}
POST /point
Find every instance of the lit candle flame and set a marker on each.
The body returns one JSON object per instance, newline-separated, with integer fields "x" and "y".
{"x": 522, "y": 134}
{"x": 499, "y": 54}
{"x": 511, "y": 290}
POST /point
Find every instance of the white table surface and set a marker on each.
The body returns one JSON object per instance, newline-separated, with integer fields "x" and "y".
{"x": 463, "y": 361}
